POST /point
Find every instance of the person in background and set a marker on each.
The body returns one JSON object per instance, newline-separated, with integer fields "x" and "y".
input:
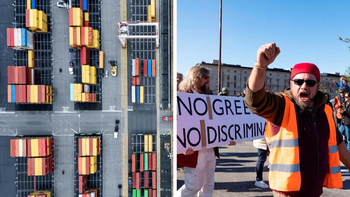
{"x": 328, "y": 101}
{"x": 179, "y": 78}
{"x": 224, "y": 92}
{"x": 199, "y": 166}
{"x": 343, "y": 83}
{"x": 305, "y": 145}
{"x": 345, "y": 121}
{"x": 338, "y": 104}
{"x": 263, "y": 151}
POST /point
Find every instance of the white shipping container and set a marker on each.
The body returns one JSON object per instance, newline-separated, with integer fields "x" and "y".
{"x": 133, "y": 94}
{"x": 29, "y": 40}
{"x": 86, "y": 88}
{"x": 133, "y": 67}
{"x": 15, "y": 36}
{"x": 19, "y": 37}
{"x": 20, "y": 144}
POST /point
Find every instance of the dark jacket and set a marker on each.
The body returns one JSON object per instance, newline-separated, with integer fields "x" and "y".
{"x": 346, "y": 115}
{"x": 191, "y": 160}
{"x": 313, "y": 131}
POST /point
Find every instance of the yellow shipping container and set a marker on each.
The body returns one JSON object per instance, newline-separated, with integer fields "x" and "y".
{"x": 34, "y": 147}
{"x": 34, "y": 93}
{"x": 50, "y": 97}
{"x": 101, "y": 60}
{"x": 82, "y": 161}
{"x": 42, "y": 25}
{"x": 38, "y": 166}
{"x": 75, "y": 92}
{"x": 93, "y": 75}
{"x": 78, "y": 36}
{"x": 33, "y": 19}
{"x": 77, "y": 17}
{"x": 30, "y": 59}
{"x": 94, "y": 147}
{"x": 96, "y": 39}
{"x": 150, "y": 143}
{"x": 149, "y": 18}
{"x": 29, "y": 4}
{"x": 71, "y": 43}
{"x": 86, "y": 16}
{"x": 83, "y": 147}
{"x": 83, "y": 97}
{"x": 153, "y": 9}
{"x": 146, "y": 142}
{"x": 141, "y": 94}
{"x": 93, "y": 164}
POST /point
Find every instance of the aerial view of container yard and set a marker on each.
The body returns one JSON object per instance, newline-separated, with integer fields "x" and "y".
{"x": 86, "y": 98}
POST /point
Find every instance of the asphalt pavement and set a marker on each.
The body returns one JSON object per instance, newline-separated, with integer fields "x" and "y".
{"x": 235, "y": 174}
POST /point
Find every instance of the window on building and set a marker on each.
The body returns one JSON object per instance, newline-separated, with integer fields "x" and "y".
{"x": 234, "y": 71}
{"x": 228, "y": 77}
{"x": 270, "y": 80}
{"x": 228, "y": 84}
{"x": 235, "y": 77}
{"x": 245, "y": 79}
{"x": 234, "y": 84}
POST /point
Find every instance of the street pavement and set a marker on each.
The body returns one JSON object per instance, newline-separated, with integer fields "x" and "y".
{"x": 235, "y": 174}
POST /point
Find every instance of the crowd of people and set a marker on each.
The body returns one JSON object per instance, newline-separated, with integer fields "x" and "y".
{"x": 306, "y": 136}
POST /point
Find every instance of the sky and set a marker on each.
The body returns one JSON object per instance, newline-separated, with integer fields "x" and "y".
{"x": 305, "y": 31}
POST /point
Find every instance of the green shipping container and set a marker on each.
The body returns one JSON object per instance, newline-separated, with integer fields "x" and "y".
{"x": 146, "y": 161}
{"x": 146, "y": 192}
{"x": 133, "y": 192}
{"x": 138, "y": 193}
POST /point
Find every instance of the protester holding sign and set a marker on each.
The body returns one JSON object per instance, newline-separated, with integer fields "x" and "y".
{"x": 305, "y": 145}
{"x": 199, "y": 166}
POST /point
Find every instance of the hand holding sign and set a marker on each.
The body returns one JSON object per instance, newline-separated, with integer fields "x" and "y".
{"x": 189, "y": 151}
{"x": 232, "y": 143}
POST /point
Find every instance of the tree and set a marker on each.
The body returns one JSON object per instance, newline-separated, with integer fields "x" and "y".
{"x": 347, "y": 71}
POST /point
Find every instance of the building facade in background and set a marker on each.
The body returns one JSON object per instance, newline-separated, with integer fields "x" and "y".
{"x": 234, "y": 77}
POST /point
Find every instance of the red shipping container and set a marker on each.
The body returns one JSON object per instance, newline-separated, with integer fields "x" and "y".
{"x": 154, "y": 193}
{"x": 133, "y": 81}
{"x": 150, "y": 193}
{"x": 145, "y": 180}
{"x": 12, "y": 148}
{"x": 149, "y": 161}
{"x": 81, "y": 4}
{"x": 9, "y": 77}
{"x": 82, "y": 183}
{"x": 154, "y": 180}
{"x": 30, "y": 166}
{"x": 16, "y": 94}
{"x": 98, "y": 145}
{"x": 80, "y": 146}
{"x": 87, "y": 97}
{"x": 32, "y": 76}
{"x": 41, "y": 94}
{"x": 27, "y": 18}
{"x": 137, "y": 67}
{"x": 82, "y": 30}
{"x": 137, "y": 180}
{"x": 145, "y": 68}
{"x": 153, "y": 68}
{"x": 70, "y": 11}
{"x": 8, "y": 37}
{"x": 133, "y": 163}
{"x": 154, "y": 162}
{"x": 16, "y": 74}
{"x": 137, "y": 80}
{"x": 86, "y": 23}
{"x": 23, "y": 93}
{"x": 141, "y": 162}
{"x": 50, "y": 145}
{"x": 134, "y": 180}
{"x": 84, "y": 56}
{"x": 42, "y": 146}
{"x": 91, "y": 149}
{"x": 22, "y": 72}
{"x": 28, "y": 95}
{"x": 75, "y": 36}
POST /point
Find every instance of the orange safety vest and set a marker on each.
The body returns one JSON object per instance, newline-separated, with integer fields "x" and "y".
{"x": 284, "y": 174}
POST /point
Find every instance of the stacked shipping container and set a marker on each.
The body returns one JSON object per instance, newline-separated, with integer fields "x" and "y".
{"x": 40, "y": 193}
{"x": 88, "y": 151}
{"x": 29, "y": 94}
{"x": 143, "y": 167}
{"x": 151, "y": 15}
{"x": 36, "y": 20}
{"x": 80, "y": 94}
{"x": 38, "y": 151}
{"x": 19, "y": 38}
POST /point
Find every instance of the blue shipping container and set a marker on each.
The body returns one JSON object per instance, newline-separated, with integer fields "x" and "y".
{"x": 72, "y": 92}
{"x": 33, "y": 4}
{"x": 85, "y": 5}
{"x": 137, "y": 94}
{"x": 13, "y": 94}
{"x": 24, "y": 37}
{"x": 149, "y": 68}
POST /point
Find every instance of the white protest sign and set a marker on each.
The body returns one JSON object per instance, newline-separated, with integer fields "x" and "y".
{"x": 206, "y": 121}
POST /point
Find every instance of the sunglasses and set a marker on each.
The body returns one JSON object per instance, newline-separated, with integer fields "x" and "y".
{"x": 299, "y": 82}
{"x": 206, "y": 77}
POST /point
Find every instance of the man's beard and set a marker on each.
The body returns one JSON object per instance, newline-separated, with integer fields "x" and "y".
{"x": 304, "y": 106}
